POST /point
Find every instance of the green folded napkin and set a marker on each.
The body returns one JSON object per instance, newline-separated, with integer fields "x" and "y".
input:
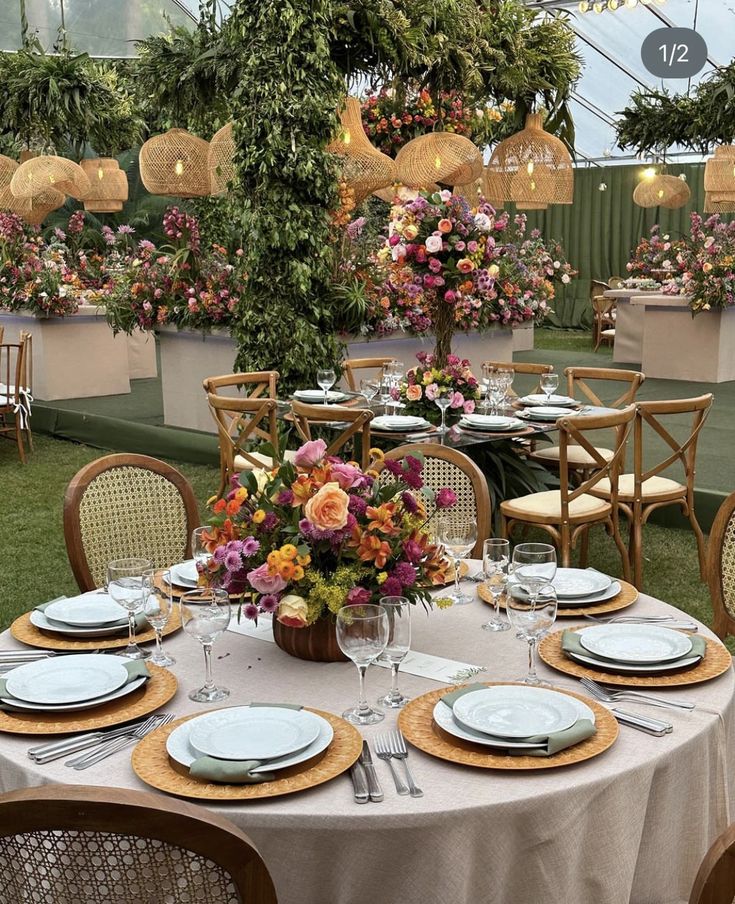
{"x": 278, "y": 705}
{"x": 572, "y": 643}
{"x": 548, "y": 745}
{"x": 140, "y": 619}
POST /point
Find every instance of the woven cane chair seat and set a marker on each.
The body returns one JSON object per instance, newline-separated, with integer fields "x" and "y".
{"x": 127, "y": 506}
{"x": 658, "y": 487}
{"x": 721, "y": 568}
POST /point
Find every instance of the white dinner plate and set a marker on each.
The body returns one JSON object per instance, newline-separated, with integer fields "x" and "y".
{"x": 316, "y": 396}
{"x": 620, "y": 667}
{"x": 66, "y": 679}
{"x": 181, "y": 751}
{"x": 538, "y": 398}
{"x": 545, "y": 413}
{"x": 490, "y": 422}
{"x": 253, "y": 733}
{"x": 444, "y": 718}
{"x": 571, "y": 583}
{"x": 90, "y": 610}
{"x": 512, "y": 711}
{"x": 638, "y": 644}
{"x": 399, "y": 422}
{"x": 185, "y": 574}
{"x": 72, "y": 707}
{"x": 39, "y": 619}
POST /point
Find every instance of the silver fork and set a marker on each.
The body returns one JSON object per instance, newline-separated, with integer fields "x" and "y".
{"x": 666, "y": 621}
{"x": 383, "y": 752}
{"x": 400, "y": 752}
{"x": 89, "y": 759}
{"x": 609, "y": 695}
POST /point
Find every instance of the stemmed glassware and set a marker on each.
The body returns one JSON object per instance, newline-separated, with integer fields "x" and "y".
{"x": 531, "y": 620}
{"x": 395, "y": 371}
{"x": 398, "y": 610}
{"x": 157, "y": 609}
{"x": 497, "y": 392}
{"x": 506, "y": 375}
{"x": 369, "y": 389}
{"x": 205, "y": 614}
{"x": 487, "y": 375}
{"x": 495, "y": 564}
{"x": 548, "y": 384}
{"x": 125, "y": 585}
{"x": 458, "y": 535}
{"x": 200, "y": 548}
{"x": 442, "y": 402}
{"x": 362, "y": 635}
{"x": 534, "y": 564}
{"x": 326, "y": 379}
{"x": 385, "y": 394}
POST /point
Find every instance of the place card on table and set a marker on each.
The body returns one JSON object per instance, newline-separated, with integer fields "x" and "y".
{"x": 436, "y": 668}
{"x": 246, "y": 626}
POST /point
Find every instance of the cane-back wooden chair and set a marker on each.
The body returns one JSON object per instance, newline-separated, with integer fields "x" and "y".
{"x": 644, "y": 490}
{"x": 524, "y": 368}
{"x": 721, "y": 568}
{"x": 715, "y": 881}
{"x": 569, "y": 512}
{"x": 61, "y": 844}
{"x": 447, "y": 467}
{"x": 355, "y": 421}
{"x": 15, "y": 393}
{"x": 350, "y": 365}
{"x": 123, "y": 507}
{"x": 603, "y": 323}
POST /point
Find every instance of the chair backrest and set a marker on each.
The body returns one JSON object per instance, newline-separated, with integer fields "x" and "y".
{"x": 241, "y": 421}
{"x": 597, "y": 286}
{"x": 721, "y": 568}
{"x": 26, "y": 339}
{"x": 253, "y": 385}
{"x": 602, "y": 307}
{"x": 127, "y": 506}
{"x": 2, "y": 333}
{"x": 89, "y": 845}
{"x": 446, "y": 467}
{"x": 649, "y": 415}
{"x": 616, "y": 282}
{"x": 350, "y": 365}
{"x": 357, "y": 422}
{"x": 12, "y": 371}
{"x": 715, "y": 881}
{"x": 580, "y": 386}
{"x": 520, "y": 367}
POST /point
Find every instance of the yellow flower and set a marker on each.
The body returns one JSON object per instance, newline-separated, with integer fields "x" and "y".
{"x": 382, "y": 577}
{"x": 298, "y": 573}
{"x": 241, "y": 494}
{"x": 443, "y": 602}
{"x": 427, "y": 378}
{"x": 304, "y": 560}
{"x": 212, "y": 500}
{"x": 274, "y": 558}
{"x": 288, "y": 551}
{"x": 372, "y": 473}
{"x": 258, "y": 516}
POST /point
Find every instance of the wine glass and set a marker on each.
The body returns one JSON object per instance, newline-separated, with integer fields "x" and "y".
{"x": 487, "y": 374}
{"x": 534, "y": 564}
{"x": 548, "y": 384}
{"x": 458, "y": 535}
{"x": 496, "y": 393}
{"x": 507, "y": 375}
{"x": 442, "y": 402}
{"x": 531, "y": 620}
{"x": 362, "y": 634}
{"x": 205, "y": 614}
{"x": 125, "y": 586}
{"x": 326, "y": 378}
{"x": 495, "y": 563}
{"x": 398, "y": 609}
{"x": 200, "y": 548}
{"x": 369, "y": 389}
{"x": 395, "y": 371}
{"x": 385, "y": 394}
{"x": 157, "y": 609}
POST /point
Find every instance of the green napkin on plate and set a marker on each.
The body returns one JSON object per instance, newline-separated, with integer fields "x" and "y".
{"x": 548, "y": 745}
{"x": 572, "y": 643}
{"x": 140, "y": 619}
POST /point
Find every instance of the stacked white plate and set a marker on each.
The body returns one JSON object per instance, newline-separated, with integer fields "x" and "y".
{"x": 492, "y": 423}
{"x": 539, "y": 398}
{"x": 545, "y": 413}
{"x": 276, "y": 736}
{"x": 316, "y": 396}
{"x": 635, "y": 648}
{"x": 507, "y": 715}
{"x": 184, "y": 574}
{"x": 93, "y": 614}
{"x": 68, "y": 683}
{"x": 578, "y": 587}
{"x": 400, "y": 423}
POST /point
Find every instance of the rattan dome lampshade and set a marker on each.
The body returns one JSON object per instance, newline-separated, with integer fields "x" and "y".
{"x": 528, "y": 152}
{"x": 471, "y": 192}
{"x": 175, "y": 163}
{"x": 719, "y": 202}
{"x": 220, "y": 160}
{"x": 533, "y": 185}
{"x": 49, "y": 172}
{"x": 719, "y": 171}
{"x": 365, "y": 169}
{"x": 109, "y": 185}
{"x": 438, "y": 157}
{"x": 33, "y": 210}
{"x": 661, "y": 191}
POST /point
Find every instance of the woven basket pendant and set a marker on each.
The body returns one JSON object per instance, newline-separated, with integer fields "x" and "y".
{"x": 662, "y": 191}
{"x": 365, "y": 169}
{"x": 109, "y": 185}
{"x": 438, "y": 157}
{"x": 175, "y": 164}
{"x": 49, "y": 172}
{"x": 220, "y": 161}
{"x": 719, "y": 171}
{"x": 33, "y": 210}
{"x": 719, "y": 202}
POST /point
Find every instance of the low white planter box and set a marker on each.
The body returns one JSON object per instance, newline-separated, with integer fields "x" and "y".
{"x": 523, "y": 337}
{"x": 74, "y": 357}
{"x": 142, "y": 364}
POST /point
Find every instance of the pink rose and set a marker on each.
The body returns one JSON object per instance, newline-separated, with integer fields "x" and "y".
{"x": 347, "y": 476}
{"x": 260, "y": 580}
{"x": 358, "y": 596}
{"x": 445, "y": 498}
{"x": 413, "y": 393}
{"x": 432, "y": 391}
{"x": 457, "y": 400}
{"x": 433, "y": 244}
{"x": 445, "y": 225}
{"x": 469, "y": 406}
{"x": 450, "y": 296}
{"x": 310, "y": 454}
{"x": 435, "y": 264}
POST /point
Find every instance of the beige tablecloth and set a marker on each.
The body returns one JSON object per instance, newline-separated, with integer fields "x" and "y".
{"x": 629, "y": 826}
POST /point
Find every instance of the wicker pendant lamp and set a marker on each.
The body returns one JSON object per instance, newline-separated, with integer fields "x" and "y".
{"x": 109, "y": 185}
{"x": 719, "y": 202}
{"x": 365, "y": 169}
{"x": 220, "y": 160}
{"x": 471, "y": 192}
{"x": 660, "y": 190}
{"x": 175, "y": 163}
{"x": 719, "y": 171}
{"x": 438, "y": 157}
{"x": 33, "y": 210}
{"x": 49, "y": 172}
{"x": 537, "y": 159}
{"x": 531, "y": 205}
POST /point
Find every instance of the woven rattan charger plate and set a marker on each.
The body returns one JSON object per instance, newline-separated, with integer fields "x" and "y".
{"x": 417, "y": 724}
{"x": 153, "y": 765}
{"x": 717, "y": 660}
{"x": 177, "y": 591}
{"x": 25, "y": 632}
{"x": 627, "y": 596}
{"x": 156, "y": 692}
{"x": 500, "y": 434}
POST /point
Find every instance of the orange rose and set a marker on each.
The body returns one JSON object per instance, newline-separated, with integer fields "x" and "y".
{"x": 413, "y": 392}
{"x": 327, "y": 509}
{"x": 445, "y": 226}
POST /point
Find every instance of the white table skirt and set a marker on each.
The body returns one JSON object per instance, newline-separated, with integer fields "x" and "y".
{"x": 628, "y": 826}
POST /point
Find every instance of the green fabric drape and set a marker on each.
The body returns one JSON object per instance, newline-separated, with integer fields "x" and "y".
{"x": 601, "y": 228}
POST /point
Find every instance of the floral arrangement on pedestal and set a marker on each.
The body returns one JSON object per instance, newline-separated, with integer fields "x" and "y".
{"x": 425, "y": 382}
{"x": 307, "y": 538}
{"x": 657, "y": 257}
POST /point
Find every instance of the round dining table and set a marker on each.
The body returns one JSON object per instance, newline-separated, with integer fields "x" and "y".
{"x": 630, "y": 825}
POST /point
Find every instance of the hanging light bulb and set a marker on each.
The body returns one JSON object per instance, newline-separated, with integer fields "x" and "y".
{"x": 100, "y": 173}
{"x": 346, "y": 137}
{"x": 649, "y": 173}
{"x": 584, "y": 6}
{"x": 529, "y": 167}
{"x": 437, "y": 162}
{"x": 598, "y": 7}
{"x": 660, "y": 193}
{"x": 602, "y": 186}
{"x": 612, "y": 4}
{"x": 179, "y": 168}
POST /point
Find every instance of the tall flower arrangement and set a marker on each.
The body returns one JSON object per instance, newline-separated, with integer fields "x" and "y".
{"x": 657, "y": 255}
{"x": 709, "y": 259}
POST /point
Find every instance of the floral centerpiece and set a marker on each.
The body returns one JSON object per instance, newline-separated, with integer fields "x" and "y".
{"x": 708, "y": 263}
{"x": 425, "y": 382}
{"x": 658, "y": 256}
{"x": 307, "y": 538}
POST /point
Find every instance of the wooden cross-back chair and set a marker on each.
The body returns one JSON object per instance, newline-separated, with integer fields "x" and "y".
{"x": 520, "y": 367}
{"x": 569, "y": 512}
{"x": 447, "y": 467}
{"x": 603, "y": 323}
{"x": 715, "y": 880}
{"x": 721, "y": 568}
{"x": 616, "y": 282}
{"x": 15, "y": 393}
{"x": 124, "y": 507}
{"x": 61, "y": 844}
{"x": 644, "y": 490}
{"x": 356, "y": 423}
{"x": 350, "y": 365}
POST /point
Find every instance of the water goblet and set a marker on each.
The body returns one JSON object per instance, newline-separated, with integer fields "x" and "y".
{"x": 507, "y": 375}
{"x": 125, "y": 586}
{"x": 458, "y": 535}
{"x": 395, "y": 371}
{"x": 369, "y": 389}
{"x": 157, "y": 608}
{"x": 442, "y": 402}
{"x": 497, "y": 392}
{"x": 531, "y": 620}
{"x": 385, "y": 392}
{"x": 362, "y": 635}
{"x": 548, "y": 384}
{"x": 487, "y": 374}
{"x": 326, "y": 379}
{"x": 398, "y": 609}
{"x": 200, "y": 548}
{"x": 495, "y": 564}
{"x": 534, "y": 564}
{"x": 205, "y": 615}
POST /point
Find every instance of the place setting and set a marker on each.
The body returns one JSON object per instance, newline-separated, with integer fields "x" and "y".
{"x": 491, "y": 424}
{"x": 325, "y": 395}
{"x": 400, "y": 423}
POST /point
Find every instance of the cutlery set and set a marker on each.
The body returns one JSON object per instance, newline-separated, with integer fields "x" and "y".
{"x": 665, "y": 621}
{"x": 609, "y": 695}
{"x": 388, "y": 746}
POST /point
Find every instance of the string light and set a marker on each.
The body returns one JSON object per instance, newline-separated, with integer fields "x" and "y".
{"x": 649, "y": 173}
{"x": 584, "y": 6}
{"x": 600, "y": 6}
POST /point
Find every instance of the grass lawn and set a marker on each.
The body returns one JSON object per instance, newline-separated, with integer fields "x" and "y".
{"x": 35, "y": 567}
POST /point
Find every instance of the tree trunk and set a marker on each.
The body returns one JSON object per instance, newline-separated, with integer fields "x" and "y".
{"x": 443, "y": 332}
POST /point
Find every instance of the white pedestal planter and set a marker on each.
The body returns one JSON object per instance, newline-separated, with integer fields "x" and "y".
{"x": 142, "y": 364}
{"x": 628, "y": 348}
{"x": 523, "y": 337}
{"x": 74, "y": 357}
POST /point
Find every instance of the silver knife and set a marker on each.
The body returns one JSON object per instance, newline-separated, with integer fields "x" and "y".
{"x": 651, "y": 726}
{"x": 366, "y": 761}
{"x": 359, "y": 783}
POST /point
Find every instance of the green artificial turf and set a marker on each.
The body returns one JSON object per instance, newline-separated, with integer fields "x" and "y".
{"x": 35, "y": 568}
{"x": 568, "y": 340}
